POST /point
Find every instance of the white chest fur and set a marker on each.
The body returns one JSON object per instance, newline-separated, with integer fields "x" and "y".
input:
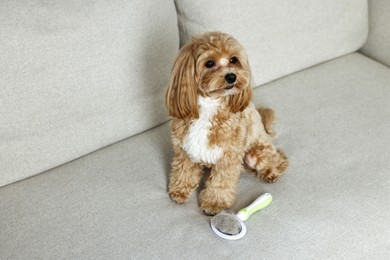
{"x": 196, "y": 143}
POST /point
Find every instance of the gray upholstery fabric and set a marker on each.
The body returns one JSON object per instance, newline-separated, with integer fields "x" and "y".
{"x": 79, "y": 75}
{"x": 378, "y": 44}
{"x": 280, "y": 37}
{"x": 332, "y": 203}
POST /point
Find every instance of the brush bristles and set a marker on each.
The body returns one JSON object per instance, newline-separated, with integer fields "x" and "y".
{"x": 226, "y": 223}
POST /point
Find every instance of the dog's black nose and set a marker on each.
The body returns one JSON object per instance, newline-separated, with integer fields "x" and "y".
{"x": 230, "y": 77}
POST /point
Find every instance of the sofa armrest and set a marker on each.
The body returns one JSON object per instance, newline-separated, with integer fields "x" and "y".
{"x": 378, "y": 42}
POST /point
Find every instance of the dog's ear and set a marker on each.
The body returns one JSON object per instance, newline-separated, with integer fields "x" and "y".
{"x": 181, "y": 96}
{"x": 240, "y": 101}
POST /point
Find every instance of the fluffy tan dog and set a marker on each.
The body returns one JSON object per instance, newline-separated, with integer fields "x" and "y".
{"x": 215, "y": 125}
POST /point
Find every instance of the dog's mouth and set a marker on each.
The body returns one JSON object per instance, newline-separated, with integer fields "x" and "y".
{"x": 227, "y": 90}
{"x": 229, "y": 86}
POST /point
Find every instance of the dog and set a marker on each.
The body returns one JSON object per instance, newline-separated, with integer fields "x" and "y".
{"x": 215, "y": 125}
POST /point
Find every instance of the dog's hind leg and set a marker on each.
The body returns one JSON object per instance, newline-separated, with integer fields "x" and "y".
{"x": 266, "y": 160}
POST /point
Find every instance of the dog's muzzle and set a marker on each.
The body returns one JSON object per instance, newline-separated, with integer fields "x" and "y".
{"x": 230, "y": 78}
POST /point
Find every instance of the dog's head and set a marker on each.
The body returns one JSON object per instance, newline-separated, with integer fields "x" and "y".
{"x": 212, "y": 65}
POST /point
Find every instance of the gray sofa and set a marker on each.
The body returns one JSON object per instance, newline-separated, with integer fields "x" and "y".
{"x": 85, "y": 144}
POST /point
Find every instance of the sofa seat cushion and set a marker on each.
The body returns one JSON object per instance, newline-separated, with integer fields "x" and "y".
{"x": 332, "y": 121}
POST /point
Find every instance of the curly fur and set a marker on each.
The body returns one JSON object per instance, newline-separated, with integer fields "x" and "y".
{"x": 215, "y": 125}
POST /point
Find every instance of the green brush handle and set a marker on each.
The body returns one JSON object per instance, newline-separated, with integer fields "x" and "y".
{"x": 261, "y": 202}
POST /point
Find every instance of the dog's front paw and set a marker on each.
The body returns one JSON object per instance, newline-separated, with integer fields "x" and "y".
{"x": 212, "y": 210}
{"x": 179, "y": 197}
{"x": 213, "y": 204}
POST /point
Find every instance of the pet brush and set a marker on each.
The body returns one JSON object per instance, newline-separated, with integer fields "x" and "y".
{"x": 232, "y": 227}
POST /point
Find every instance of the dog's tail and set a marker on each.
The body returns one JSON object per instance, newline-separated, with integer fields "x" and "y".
{"x": 267, "y": 118}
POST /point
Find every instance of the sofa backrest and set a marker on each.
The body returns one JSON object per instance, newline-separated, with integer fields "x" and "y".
{"x": 378, "y": 44}
{"x": 78, "y": 75}
{"x": 280, "y": 37}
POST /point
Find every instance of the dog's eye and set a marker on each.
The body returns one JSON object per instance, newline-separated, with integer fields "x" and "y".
{"x": 233, "y": 60}
{"x": 210, "y": 64}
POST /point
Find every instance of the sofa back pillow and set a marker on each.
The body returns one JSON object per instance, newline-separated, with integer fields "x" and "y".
{"x": 79, "y": 75}
{"x": 280, "y": 37}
